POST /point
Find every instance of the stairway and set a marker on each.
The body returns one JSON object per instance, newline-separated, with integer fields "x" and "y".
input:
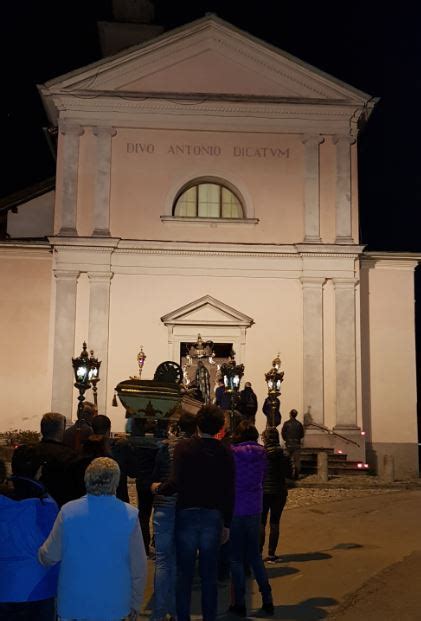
{"x": 338, "y": 464}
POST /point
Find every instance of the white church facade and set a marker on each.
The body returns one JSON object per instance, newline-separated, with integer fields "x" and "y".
{"x": 207, "y": 183}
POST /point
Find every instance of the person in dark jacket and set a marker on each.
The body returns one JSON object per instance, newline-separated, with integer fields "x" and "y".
{"x": 141, "y": 469}
{"x": 248, "y": 403}
{"x": 27, "y": 515}
{"x": 95, "y": 446}
{"x": 164, "y": 511}
{"x": 272, "y": 410}
{"x": 120, "y": 450}
{"x": 275, "y": 490}
{"x": 250, "y": 468}
{"x": 222, "y": 397}
{"x": 203, "y": 476}
{"x": 292, "y": 434}
{"x": 57, "y": 458}
{"x": 76, "y": 434}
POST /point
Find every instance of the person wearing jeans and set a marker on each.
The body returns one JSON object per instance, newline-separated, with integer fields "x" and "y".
{"x": 164, "y": 523}
{"x": 203, "y": 476}
{"x": 250, "y": 468}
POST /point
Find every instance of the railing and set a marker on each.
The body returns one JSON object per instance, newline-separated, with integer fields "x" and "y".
{"x": 330, "y": 432}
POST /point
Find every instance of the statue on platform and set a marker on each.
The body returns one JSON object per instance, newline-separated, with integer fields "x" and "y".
{"x": 202, "y": 381}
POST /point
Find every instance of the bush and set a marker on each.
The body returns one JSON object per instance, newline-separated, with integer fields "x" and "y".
{"x": 21, "y": 436}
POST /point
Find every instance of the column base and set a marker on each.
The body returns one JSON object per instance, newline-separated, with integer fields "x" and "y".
{"x": 67, "y": 231}
{"x": 101, "y": 233}
{"x": 312, "y": 239}
{"x": 344, "y": 240}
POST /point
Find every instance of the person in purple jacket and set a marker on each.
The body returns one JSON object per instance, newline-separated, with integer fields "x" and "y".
{"x": 250, "y": 467}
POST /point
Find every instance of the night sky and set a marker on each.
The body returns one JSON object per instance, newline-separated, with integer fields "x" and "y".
{"x": 349, "y": 41}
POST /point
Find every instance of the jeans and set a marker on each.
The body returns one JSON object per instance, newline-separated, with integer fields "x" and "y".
{"x": 274, "y": 503}
{"x": 198, "y": 531}
{"x": 42, "y": 610}
{"x": 144, "y": 502}
{"x": 165, "y": 564}
{"x": 244, "y": 537}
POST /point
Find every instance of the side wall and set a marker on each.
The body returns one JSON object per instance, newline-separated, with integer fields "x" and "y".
{"x": 25, "y": 282}
{"x": 388, "y": 363}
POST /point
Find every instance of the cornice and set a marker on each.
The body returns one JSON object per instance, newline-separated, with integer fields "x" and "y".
{"x": 297, "y": 118}
{"x": 24, "y": 250}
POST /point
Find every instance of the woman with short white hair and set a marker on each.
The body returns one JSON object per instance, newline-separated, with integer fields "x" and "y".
{"x": 98, "y": 541}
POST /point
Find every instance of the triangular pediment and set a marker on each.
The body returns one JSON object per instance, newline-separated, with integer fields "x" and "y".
{"x": 208, "y": 56}
{"x": 207, "y": 311}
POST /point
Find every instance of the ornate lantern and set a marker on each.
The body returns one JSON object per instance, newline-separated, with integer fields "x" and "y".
{"x": 81, "y": 368}
{"x": 274, "y": 377}
{"x": 93, "y": 375}
{"x": 231, "y": 374}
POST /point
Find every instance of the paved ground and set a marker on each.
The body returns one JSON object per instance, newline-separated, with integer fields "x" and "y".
{"x": 347, "y": 554}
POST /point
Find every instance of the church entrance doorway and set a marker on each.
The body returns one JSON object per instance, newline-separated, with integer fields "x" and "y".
{"x": 206, "y": 354}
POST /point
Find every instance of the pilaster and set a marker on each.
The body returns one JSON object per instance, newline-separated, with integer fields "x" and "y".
{"x": 345, "y": 344}
{"x": 99, "y": 317}
{"x": 343, "y": 189}
{"x": 70, "y": 164}
{"x": 312, "y": 188}
{"x": 64, "y": 341}
{"x": 313, "y": 375}
{"x": 104, "y": 136}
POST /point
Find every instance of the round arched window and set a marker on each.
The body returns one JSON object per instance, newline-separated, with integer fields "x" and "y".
{"x": 207, "y": 200}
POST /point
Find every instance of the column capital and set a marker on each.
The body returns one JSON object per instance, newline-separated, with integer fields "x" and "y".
{"x": 104, "y": 131}
{"x": 71, "y": 129}
{"x": 312, "y": 282}
{"x": 100, "y": 276}
{"x": 66, "y": 274}
{"x": 345, "y": 283}
{"x": 312, "y": 139}
{"x": 343, "y": 139}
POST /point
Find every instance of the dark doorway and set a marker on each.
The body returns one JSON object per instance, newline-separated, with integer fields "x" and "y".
{"x": 222, "y": 352}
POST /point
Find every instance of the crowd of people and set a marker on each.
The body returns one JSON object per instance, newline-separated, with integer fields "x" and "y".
{"x": 72, "y": 546}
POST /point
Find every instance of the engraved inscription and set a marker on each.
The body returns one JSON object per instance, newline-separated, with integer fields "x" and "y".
{"x": 209, "y": 150}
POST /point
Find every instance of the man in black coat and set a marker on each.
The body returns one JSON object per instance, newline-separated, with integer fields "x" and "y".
{"x": 56, "y": 457}
{"x": 248, "y": 403}
{"x": 293, "y": 433}
{"x": 79, "y": 432}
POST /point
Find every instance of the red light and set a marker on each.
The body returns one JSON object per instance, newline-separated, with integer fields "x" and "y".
{"x": 359, "y": 465}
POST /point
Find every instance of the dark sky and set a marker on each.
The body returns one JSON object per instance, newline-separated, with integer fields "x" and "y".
{"x": 44, "y": 39}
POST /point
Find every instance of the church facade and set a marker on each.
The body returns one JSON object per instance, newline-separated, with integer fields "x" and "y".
{"x": 207, "y": 184}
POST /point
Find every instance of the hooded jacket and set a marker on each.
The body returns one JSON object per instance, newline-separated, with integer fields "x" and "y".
{"x": 26, "y": 519}
{"x": 250, "y": 467}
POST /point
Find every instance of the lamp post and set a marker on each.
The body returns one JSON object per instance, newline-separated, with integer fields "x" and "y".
{"x": 274, "y": 377}
{"x": 232, "y": 373}
{"x": 81, "y": 368}
{"x": 93, "y": 375}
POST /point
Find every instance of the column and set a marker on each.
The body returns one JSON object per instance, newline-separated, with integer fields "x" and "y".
{"x": 64, "y": 342}
{"x": 99, "y": 317}
{"x": 346, "y": 395}
{"x": 343, "y": 189}
{"x": 70, "y": 165}
{"x": 104, "y": 137}
{"x": 312, "y": 188}
{"x": 313, "y": 375}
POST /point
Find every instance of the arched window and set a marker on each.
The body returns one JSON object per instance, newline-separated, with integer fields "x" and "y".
{"x": 207, "y": 199}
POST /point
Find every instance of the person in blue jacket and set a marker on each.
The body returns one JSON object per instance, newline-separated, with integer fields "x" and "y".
{"x": 27, "y": 515}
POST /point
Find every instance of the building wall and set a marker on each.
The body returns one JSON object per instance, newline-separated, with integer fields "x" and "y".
{"x": 389, "y": 364}
{"x": 25, "y": 336}
{"x": 149, "y": 167}
{"x": 33, "y": 218}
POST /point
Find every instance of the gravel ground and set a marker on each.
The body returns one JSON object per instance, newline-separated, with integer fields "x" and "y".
{"x": 309, "y": 492}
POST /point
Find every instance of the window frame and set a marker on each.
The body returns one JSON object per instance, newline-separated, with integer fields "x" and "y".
{"x": 212, "y": 181}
